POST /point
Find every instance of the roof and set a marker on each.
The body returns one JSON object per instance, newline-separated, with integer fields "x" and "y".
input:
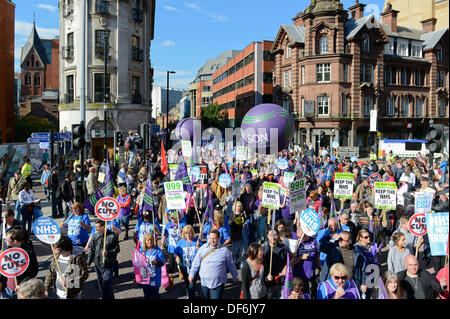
{"x": 352, "y": 27}
{"x": 212, "y": 65}
{"x": 296, "y": 33}
{"x": 430, "y": 39}
{"x": 40, "y": 112}
{"x": 34, "y": 42}
{"x": 403, "y": 32}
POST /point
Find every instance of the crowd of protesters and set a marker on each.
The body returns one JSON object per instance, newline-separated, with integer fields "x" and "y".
{"x": 220, "y": 233}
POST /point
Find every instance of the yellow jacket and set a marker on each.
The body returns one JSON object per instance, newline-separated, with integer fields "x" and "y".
{"x": 26, "y": 170}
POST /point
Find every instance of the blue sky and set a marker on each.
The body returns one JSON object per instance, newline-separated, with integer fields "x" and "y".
{"x": 187, "y": 32}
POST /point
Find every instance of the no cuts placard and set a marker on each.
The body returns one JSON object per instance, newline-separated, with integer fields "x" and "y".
{"x": 417, "y": 224}
{"x": 14, "y": 262}
{"x": 107, "y": 208}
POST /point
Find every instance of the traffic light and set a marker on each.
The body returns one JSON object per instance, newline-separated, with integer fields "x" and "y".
{"x": 78, "y": 140}
{"x": 434, "y": 143}
{"x": 144, "y": 132}
{"x": 119, "y": 138}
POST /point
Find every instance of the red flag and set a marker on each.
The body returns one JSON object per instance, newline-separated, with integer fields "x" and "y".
{"x": 163, "y": 159}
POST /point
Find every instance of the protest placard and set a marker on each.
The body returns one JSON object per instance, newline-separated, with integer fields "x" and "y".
{"x": 186, "y": 148}
{"x": 14, "y": 262}
{"x": 385, "y": 195}
{"x": 46, "y": 230}
{"x": 343, "y": 185}
{"x": 241, "y": 153}
{"x": 271, "y": 195}
{"x": 437, "y": 226}
{"x": 288, "y": 177}
{"x": 423, "y": 202}
{"x": 225, "y": 180}
{"x": 282, "y": 163}
{"x": 309, "y": 222}
{"x": 417, "y": 224}
{"x": 297, "y": 191}
{"x": 375, "y": 177}
{"x": 107, "y": 208}
{"x": 174, "y": 195}
{"x": 236, "y": 189}
{"x": 141, "y": 271}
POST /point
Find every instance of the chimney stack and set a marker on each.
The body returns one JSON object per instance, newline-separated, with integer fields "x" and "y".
{"x": 429, "y": 25}
{"x": 390, "y": 17}
{"x": 357, "y": 11}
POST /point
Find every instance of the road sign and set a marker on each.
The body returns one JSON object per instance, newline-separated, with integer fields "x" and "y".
{"x": 417, "y": 224}
{"x": 107, "y": 208}
{"x": 62, "y": 136}
{"x": 46, "y": 230}
{"x": 38, "y": 140}
{"x": 44, "y": 146}
{"x": 14, "y": 262}
{"x": 40, "y": 135}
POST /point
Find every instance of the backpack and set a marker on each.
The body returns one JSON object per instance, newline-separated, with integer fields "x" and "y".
{"x": 129, "y": 144}
{"x": 58, "y": 193}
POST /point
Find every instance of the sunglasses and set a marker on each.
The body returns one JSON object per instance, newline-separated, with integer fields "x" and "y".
{"x": 365, "y": 237}
{"x": 340, "y": 278}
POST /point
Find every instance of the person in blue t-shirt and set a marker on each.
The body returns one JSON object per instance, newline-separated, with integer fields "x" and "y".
{"x": 218, "y": 224}
{"x": 155, "y": 260}
{"x": 143, "y": 226}
{"x": 78, "y": 225}
{"x": 331, "y": 231}
{"x": 185, "y": 252}
{"x": 172, "y": 233}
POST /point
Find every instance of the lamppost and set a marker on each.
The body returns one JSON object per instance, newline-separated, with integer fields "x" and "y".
{"x": 167, "y": 106}
{"x": 105, "y": 55}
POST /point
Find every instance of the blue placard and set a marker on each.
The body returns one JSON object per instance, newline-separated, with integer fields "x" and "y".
{"x": 437, "y": 230}
{"x": 46, "y": 230}
{"x": 354, "y": 158}
{"x": 195, "y": 173}
{"x": 282, "y": 163}
{"x": 225, "y": 180}
{"x": 310, "y": 222}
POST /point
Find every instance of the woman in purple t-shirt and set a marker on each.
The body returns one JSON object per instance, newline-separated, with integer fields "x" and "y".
{"x": 338, "y": 286}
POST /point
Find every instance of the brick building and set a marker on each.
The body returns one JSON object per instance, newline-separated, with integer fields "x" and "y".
{"x": 245, "y": 81}
{"x": 7, "y": 13}
{"x": 40, "y": 74}
{"x": 332, "y": 69}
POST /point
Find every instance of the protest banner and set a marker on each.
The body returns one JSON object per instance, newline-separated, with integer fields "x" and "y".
{"x": 141, "y": 271}
{"x": 417, "y": 224}
{"x": 46, "y": 230}
{"x": 194, "y": 173}
{"x": 343, "y": 185}
{"x": 282, "y": 163}
{"x": 236, "y": 189}
{"x": 271, "y": 195}
{"x": 14, "y": 262}
{"x": 423, "y": 202}
{"x": 107, "y": 209}
{"x": 254, "y": 173}
{"x": 385, "y": 195}
{"x": 225, "y": 180}
{"x": 170, "y": 156}
{"x": 186, "y": 148}
{"x": 309, "y": 222}
{"x": 174, "y": 195}
{"x": 297, "y": 190}
{"x": 203, "y": 179}
{"x": 241, "y": 153}
{"x": 437, "y": 226}
{"x": 375, "y": 177}
{"x": 173, "y": 168}
{"x": 288, "y": 177}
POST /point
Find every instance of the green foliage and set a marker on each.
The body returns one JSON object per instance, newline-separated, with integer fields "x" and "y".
{"x": 30, "y": 124}
{"x": 213, "y": 116}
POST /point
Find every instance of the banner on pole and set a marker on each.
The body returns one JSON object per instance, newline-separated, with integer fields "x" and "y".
{"x": 343, "y": 185}
{"x": 297, "y": 191}
{"x": 385, "y": 195}
{"x": 174, "y": 195}
{"x": 271, "y": 195}
{"x": 437, "y": 226}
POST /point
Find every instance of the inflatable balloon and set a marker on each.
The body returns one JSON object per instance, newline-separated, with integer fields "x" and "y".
{"x": 258, "y": 122}
{"x": 185, "y": 129}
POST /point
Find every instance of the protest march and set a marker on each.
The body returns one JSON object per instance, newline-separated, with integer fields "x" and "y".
{"x": 296, "y": 223}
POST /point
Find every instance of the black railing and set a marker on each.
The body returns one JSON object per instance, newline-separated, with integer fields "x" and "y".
{"x": 99, "y": 50}
{"x": 136, "y": 98}
{"x": 67, "y": 52}
{"x": 102, "y": 7}
{"x": 99, "y": 97}
{"x": 68, "y": 98}
{"x": 137, "y": 54}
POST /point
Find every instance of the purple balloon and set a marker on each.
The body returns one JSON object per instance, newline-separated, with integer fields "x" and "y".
{"x": 258, "y": 122}
{"x": 185, "y": 129}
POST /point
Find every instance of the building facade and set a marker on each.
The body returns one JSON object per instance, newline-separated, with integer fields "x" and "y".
{"x": 333, "y": 67}
{"x": 245, "y": 81}
{"x": 7, "y": 16}
{"x": 127, "y": 28}
{"x": 412, "y": 13}
{"x": 159, "y": 100}
{"x": 200, "y": 90}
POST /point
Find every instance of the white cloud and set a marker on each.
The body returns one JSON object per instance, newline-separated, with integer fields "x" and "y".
{"x": 48, "y": 7}
{"x": 169, "y": 8}
{"x": 214, "y": 16}
{"x": 168, "y": 43}
{"x": 192, "y": 5}
{"x": 24, "y": 28}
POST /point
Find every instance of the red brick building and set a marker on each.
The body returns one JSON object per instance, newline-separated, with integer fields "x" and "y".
{"x": 334, "y": 66}
{"x": 40, "y": 72}
{"x": 245, "y": 81}
{"x": 7, "y": 14}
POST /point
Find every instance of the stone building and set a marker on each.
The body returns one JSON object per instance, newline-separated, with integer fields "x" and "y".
{"x": 334, "y": 66}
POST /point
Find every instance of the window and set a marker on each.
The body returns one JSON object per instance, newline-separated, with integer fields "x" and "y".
{"x": 389, "y": 47}
{"x": 268, "y": 56}
{"x": 323, "y": 45}
{"x": 345, "y": 72}
{"x": 405, "y": 106}
{"x": 416, "y": 49}
{"x": 366, "y": 73}
{"x": 135, "y": 90}
{"x": 137, "y": 12}
{"x": 100, "y": 37}
{"x": 323, "y": 105}
{"x": 27, "y": 79}
{"x": 402, "y": 47}
{"x": 102, "y": 6}
{"x": 249, "y": 59}
{"x": 344, "y": 105}
{"x": 267, "y": 77}
{"x": 136, "y": 51}
{"x": 68, "y": 50}
{"x": 323, "y": 72}
{"x": 99, "y": 85}
{"x": 287, "y": 79}
{"x": 206, "y": 100}
{"x": 419, "y": 77}
{"x": 439, "y": 53}
{"x": 37, "y": 80}
{"x": 69, "y": 89}
{"x": 249, "y": 80}
{"x": 206, "y": 88}
{"x": 37, "y": 64}
{"x": 419, "y": 107}
{"x": 440, "y": 78}
{"x": 367, "y": 105}
{"x": 405, "y": 76}
{"x": 390, "y": 106}
{"x": 442, "y": 104}
{"x": 303, "y": 74}
{"x": 365, "y": 44}
{"x": 286, "y": 105}
{"x": 288, "y": 51}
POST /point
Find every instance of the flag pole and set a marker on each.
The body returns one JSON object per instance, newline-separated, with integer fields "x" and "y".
{"x": 104, "y": 241}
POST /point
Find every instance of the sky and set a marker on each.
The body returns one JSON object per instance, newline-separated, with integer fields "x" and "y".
{"x": 187, "y": 32}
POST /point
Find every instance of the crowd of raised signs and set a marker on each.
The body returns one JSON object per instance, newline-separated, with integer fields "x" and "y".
{"x": 298, "y": 227}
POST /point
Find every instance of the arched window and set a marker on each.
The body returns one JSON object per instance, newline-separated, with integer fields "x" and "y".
{"x": 323, "y": 44}
{"x": 37, "y": 79}
{"x": 439, "y": 53}
{"x": 32, "y": 59}
{"x": 37, "y": 63}
{"x": 27, "y": 80}
{"x": 365, "y": 45}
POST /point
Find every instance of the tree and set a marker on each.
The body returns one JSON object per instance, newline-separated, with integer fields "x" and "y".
{"x": 214, "y": 116}
{"x": 30, "y": 124}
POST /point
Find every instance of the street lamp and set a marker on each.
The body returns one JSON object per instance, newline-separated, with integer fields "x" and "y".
{"x": 167, "y": 106}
